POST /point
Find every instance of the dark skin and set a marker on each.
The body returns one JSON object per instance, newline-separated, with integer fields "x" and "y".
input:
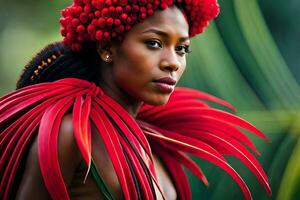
{"x": 154, "y": 49}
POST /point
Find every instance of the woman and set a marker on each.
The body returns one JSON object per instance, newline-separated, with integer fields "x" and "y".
{"x": 63, "y": 137}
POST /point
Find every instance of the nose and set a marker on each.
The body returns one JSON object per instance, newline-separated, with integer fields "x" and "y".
{"x": 170, "y": 61}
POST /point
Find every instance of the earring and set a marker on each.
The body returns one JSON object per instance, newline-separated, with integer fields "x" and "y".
{"x": 107, "y": 58}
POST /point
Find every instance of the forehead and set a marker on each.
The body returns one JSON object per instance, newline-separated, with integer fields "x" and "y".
{"x": 170, "y": 20}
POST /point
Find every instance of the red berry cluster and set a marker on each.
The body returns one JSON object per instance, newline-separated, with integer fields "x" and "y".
{"x": 104, "y": 20}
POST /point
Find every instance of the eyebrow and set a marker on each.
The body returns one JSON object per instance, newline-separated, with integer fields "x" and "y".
{"x": 164, "y": 34}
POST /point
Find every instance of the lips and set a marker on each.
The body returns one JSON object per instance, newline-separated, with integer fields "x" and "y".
{"x": 166, "y": 80}
{"x": 165, "y": 85}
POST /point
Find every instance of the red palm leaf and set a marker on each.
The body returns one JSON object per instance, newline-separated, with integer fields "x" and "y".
{"x": 204, "y": 153}
{"x": 130, "y": 122}
{"x": 177, "y": 173}
{"x": 215, "y": 124}
{"x": 12, "y": 155}
{"x": 219, "y": 139}
{"x": 82, "y": 129}
{"x": 130, "y": 129}
{"x": 115, "y": 151}
{"x": 47, "y": 149}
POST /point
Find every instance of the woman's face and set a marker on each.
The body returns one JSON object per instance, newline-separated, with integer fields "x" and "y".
{"x": 152, "y": 57}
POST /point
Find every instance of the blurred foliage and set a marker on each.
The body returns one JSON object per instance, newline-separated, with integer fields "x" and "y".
{"x": 248, "y": 56}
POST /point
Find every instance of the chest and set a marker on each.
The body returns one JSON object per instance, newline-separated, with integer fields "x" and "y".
{"x": 107, "y": 173}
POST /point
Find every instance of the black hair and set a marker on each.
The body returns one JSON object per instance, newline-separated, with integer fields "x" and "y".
{"x": 57, "y": 61}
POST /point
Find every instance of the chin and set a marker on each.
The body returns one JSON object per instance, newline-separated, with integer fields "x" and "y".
{"x": 158, "y": 101}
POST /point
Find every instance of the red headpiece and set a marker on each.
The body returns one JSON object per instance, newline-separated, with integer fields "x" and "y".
{"x": 103, "y": 20}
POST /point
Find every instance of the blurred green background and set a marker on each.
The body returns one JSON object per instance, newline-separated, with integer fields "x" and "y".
{"x": 248, "y": 56}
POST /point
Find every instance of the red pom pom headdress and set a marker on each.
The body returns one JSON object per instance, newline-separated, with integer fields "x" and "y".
{"x": 104, "y": 20}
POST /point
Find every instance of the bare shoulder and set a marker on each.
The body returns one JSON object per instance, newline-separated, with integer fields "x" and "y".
{"x": 32, "y": 185}
{"x": 68, "y": 152}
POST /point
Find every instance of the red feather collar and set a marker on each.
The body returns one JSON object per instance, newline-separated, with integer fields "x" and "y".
{"x": 185, "y": 125}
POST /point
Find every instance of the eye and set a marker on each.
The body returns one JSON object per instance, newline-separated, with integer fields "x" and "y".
{"x": 153, "y": 44}
{"x": 183, "y": 49}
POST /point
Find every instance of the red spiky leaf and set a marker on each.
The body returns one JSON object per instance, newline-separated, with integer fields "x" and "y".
{"x": 178, "y": 175}
{"x": 115, "y": 151}
{"x": 47, "y": 149}
{"x": 82, "y": 129}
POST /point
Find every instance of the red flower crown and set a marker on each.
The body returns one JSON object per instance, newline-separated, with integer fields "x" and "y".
{"x": 104, "y": 20}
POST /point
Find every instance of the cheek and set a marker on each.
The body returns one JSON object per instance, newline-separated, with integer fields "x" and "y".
{"x": 137, "y": 64}
{"x": 131, "y": 71}
{"x": 182, "y": 69}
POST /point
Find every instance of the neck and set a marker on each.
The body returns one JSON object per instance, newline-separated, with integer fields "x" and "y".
{"x": 110, "y": 88}
{"x": 128, "y": 103}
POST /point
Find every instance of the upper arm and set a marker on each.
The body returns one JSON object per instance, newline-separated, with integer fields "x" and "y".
{"x": 32, "y": 184}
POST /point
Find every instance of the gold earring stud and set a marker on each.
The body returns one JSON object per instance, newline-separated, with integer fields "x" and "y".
{"x": 107, "y": 58}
